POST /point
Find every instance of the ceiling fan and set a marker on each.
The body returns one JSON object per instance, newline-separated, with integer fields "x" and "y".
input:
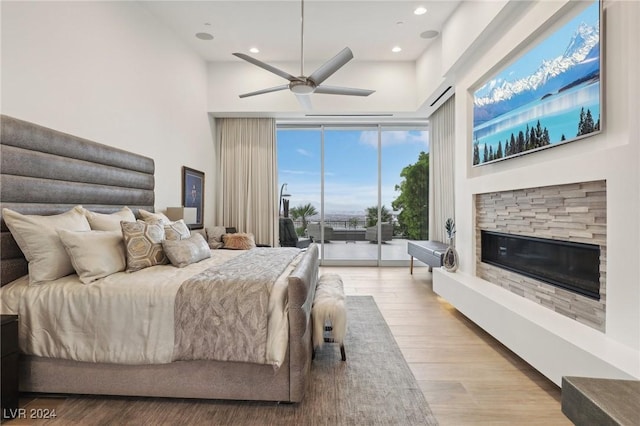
{"x": 305, "y": 85}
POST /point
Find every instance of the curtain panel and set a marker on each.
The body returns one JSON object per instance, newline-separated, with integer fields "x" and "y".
{"x": 246, "y": 195}
{"x": 441, "y": 192}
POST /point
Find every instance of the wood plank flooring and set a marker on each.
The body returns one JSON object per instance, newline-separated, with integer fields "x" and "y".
{"x": 467, "y": 376}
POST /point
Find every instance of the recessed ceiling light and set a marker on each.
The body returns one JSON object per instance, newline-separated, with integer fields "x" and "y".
{"x": 396, "y": 49}
{"x": 254, "y": 50}
{"x": 421, "y": 10}
{"x": 204, "y": 36}
{"x": 429, "y": 34}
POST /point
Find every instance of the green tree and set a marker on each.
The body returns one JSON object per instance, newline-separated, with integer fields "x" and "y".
{"x": 353, "y": 222}
{"x": 499, "y": 151}
{"x": 413, "y": 201}
{"x": 476, "y": 153}
{"x": 372, "y": 215}
{"x": 303, "y": 212}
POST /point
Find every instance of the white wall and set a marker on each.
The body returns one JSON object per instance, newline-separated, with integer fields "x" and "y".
{"x": 394, "y": 83}
{"x": 109, "y": 72}
{"x": 612, "y": 155}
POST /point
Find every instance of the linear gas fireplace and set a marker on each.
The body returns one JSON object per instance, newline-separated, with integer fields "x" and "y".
{"x": 569, "y": 265}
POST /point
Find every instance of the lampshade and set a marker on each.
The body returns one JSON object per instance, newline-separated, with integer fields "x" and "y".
{"x": 188, "y": 214}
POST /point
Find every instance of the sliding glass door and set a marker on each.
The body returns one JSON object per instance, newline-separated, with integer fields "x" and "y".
{"x": 359, "y": 191}
{"x": 351, "y": 193}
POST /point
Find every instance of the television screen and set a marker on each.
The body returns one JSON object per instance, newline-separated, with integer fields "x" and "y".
{"x": 550, "y": 95}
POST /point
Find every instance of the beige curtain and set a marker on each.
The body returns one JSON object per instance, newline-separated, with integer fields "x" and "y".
{"x": 246, "y": 193}
{"x": 441, "y": 179}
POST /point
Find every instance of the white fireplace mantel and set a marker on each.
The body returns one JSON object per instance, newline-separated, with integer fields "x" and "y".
{"x": 552, "y": 343}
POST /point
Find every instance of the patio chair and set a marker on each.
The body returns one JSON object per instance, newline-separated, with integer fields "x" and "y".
{"x": 313, "y": 232}
{"x": 288, "y": 235}
{"x": 372, "y": 233}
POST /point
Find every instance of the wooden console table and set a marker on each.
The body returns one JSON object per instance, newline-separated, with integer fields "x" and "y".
{"x": 429, "y": 252}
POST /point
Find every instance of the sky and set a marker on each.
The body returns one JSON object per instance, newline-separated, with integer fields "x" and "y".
{"x": 550, "y": 47}
{"x": 351, "y": 163}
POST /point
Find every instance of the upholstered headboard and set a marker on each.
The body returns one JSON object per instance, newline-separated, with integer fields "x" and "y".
{"x": 44, "y": 172}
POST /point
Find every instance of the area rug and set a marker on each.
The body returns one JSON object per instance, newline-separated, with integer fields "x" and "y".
{"x": 373, "y": 387}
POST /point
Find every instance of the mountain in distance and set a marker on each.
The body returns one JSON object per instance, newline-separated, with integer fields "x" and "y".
{"x": 579, "y": 63}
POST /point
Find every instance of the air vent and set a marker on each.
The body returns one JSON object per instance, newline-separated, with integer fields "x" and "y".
{"x": 348, "y": 115}
{"x": 440, "y": 97}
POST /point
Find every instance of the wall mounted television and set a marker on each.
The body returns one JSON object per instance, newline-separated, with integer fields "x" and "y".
{"x": 549, "y": 96}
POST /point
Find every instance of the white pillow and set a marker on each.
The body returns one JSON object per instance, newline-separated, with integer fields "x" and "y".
{"x": 94, "y": 254}
{"x": 149, "y": 216}
{"x": 109, "y": 222}
{"x": 37, "y": 238}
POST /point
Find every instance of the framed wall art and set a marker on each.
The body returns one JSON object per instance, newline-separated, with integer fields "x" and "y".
{"x": 193, "y": 194}
{"x": 550, "y": 95}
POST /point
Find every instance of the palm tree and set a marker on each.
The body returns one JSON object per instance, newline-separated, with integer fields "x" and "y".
{"x": 372, "y": 215}
{"x": 302, "y": 212}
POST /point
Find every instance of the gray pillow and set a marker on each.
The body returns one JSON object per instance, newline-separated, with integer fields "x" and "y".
{"x": 185, "y": 252}
{"x": 215, "y": 235}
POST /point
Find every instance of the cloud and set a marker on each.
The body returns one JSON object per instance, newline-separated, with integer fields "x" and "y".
{"x": 304, "y": 172}
{"x": 395, "y": 137}
{"x": 304, "y": 152}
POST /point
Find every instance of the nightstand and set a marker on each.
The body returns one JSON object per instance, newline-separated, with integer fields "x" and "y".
{"x": 9, "y": 371}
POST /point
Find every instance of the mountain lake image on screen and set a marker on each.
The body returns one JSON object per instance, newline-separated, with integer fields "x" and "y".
{"x": 550, "y": 95}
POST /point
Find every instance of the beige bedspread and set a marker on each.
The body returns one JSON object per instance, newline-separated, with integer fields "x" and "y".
{"x": 125, "y": 318}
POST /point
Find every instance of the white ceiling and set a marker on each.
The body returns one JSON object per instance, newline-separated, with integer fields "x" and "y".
{"x": 369, "y": 28}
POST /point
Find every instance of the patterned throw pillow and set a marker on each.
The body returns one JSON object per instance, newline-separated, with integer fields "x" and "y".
{"x": 185, "y": 252}
{"x": 177, "y": 230}
{"x": 239, "y": 241}
{"x": 143, "y": 243}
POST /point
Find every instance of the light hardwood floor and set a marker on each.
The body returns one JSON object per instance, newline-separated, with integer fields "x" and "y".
{"x": 467, "y": 376}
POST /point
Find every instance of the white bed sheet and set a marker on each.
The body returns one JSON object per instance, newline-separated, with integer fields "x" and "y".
{"x": 125, "y": 318}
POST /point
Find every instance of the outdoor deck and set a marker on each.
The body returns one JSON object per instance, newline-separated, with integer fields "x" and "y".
{"x": 395, "y": 249}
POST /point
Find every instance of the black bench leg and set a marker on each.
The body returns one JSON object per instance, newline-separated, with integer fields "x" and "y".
{"x": 344, "y": 356}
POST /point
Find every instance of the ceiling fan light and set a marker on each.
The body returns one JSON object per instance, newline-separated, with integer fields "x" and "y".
{"x": 254, "y": 50}
{"x": 302, "y": 87}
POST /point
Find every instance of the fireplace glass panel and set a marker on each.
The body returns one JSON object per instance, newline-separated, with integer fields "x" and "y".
{"x": 572, "y": 266}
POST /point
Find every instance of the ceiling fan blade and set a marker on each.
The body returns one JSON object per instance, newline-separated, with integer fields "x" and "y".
{"x": 331, "y": 66}
{"x": 305, "y": 102}
{"x": 267, "y": 67}
{"x": 333, "y": 90}
{"x": 269, "y": 90}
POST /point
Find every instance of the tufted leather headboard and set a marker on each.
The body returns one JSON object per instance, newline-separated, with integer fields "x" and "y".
{"x": 44, "y": 172}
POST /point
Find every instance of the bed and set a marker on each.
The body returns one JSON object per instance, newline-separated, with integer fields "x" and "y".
{"x": 46, "y": 172}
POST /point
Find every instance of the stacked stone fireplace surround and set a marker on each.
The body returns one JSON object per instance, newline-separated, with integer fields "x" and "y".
{"x": 572, "y": 212}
